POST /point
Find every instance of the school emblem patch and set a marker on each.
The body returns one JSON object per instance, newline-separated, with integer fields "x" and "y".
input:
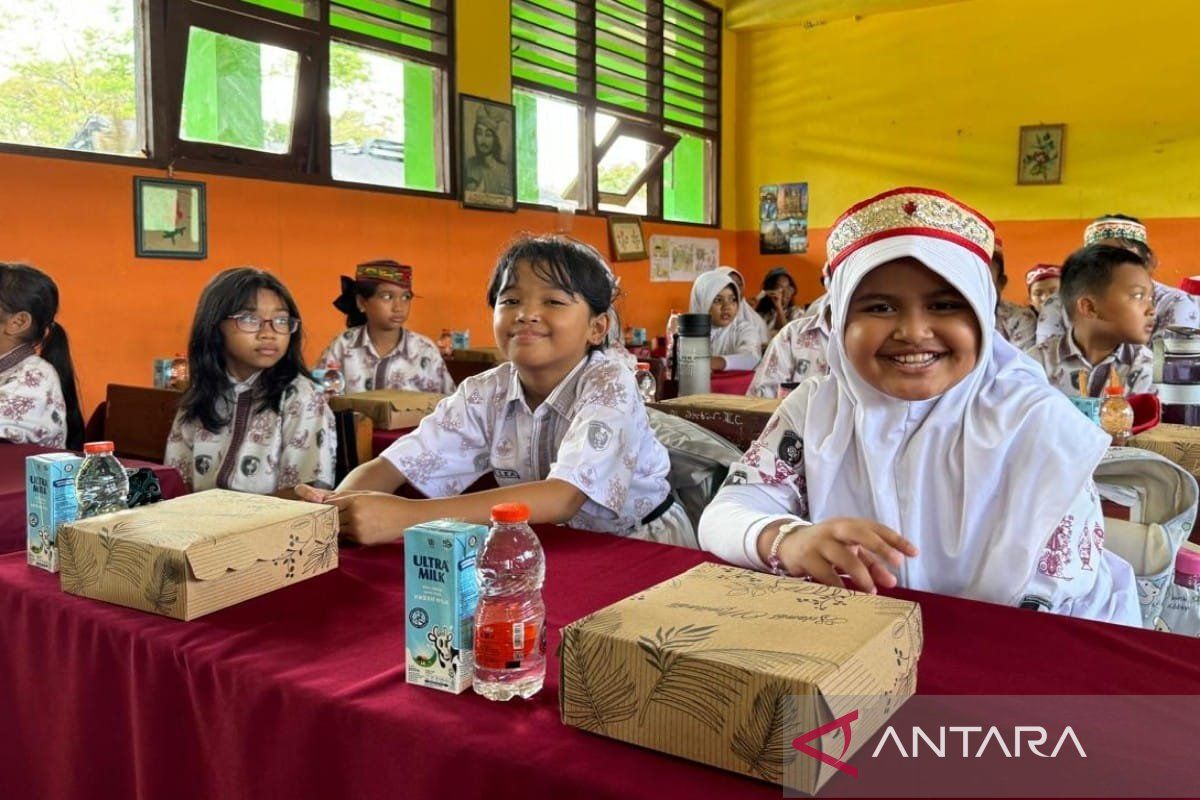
{"x": 250, "y": 466}
{"x": 203, "y": 464}
{"x": 791, "y": 448}
{"x": 599, "y": 435}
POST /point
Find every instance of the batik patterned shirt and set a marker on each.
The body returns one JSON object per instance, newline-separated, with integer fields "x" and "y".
{"x": 1072, "y": 575}
{"x": 1063, "y": 361}
{"x": 1172, "y": 307}
{"x": 591, "y": 431}
{"x": 1017, "y": 324}
{"x": 799, "y": 351}
{"x": 259, "y": 451}
{"x": 32, "y": 410}
{"x": 414, "y": 365}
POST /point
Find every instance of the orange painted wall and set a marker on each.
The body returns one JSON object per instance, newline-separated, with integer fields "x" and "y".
{"x": 74, "y": 220}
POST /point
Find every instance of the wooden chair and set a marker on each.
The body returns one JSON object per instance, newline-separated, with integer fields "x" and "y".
{"x": 354, "y": 432}
{"x": 138, "y": 420}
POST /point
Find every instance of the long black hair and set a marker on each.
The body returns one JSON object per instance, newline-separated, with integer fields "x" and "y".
{"x": 28, "y": 289}
{"x": 571, "y": 266}
{"x": 230, "y": 292}
{"x": 765, "y": 306}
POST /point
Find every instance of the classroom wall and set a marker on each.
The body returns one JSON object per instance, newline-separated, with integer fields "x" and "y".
{"x": 74, "y": 219}
{"x": 935, "y": 97}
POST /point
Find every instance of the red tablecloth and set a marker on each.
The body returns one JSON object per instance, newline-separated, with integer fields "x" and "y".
{"x": 301, "y": 693}
{"x": 731, "y": 381}
{"x": 12, "y": 489}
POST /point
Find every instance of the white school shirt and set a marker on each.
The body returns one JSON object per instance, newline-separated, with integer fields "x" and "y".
{"x": 1172, "y": 307}
{"x": 1073, "y": 575}
{"x": 259, "y": 452}
{"x": 1063, "y": 360}
{"x": 32, "y": 410}
{"x": 591, "y": 431}
{"x": 798, "y": 352}
{"x": 414, "y": 365}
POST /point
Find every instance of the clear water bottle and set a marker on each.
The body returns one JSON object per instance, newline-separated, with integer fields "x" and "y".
{"x": 101, "y": 484}
{"x": 332, "y": 380}
{"x": 510, "y": 620}
{"x": 647, "y": 386}
{"x": 1116, "y": 415}
{"x": 178, "y": 379}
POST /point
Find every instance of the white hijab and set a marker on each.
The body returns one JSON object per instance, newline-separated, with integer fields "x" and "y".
{"x": 978, "y": 477}
{"x": 735, "y": 335}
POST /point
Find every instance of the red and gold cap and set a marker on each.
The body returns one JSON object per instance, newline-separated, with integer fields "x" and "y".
{"x": 385, "y": 270}
{"x": 1042, "y": 272}
{"x": 1114, "y": 228}
{"x": 910, "y": 211}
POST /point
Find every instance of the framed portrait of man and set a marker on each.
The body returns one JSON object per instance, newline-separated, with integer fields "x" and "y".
{"x": 487, "y": 154}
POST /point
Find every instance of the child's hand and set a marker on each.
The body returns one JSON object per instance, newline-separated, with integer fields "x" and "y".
{"x": 311, "y": 494}
{"x": 370, "y": 517}
{"x": 856, "y": 547}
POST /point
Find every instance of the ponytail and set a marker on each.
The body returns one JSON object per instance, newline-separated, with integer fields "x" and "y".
{"x": 56, "y": 350}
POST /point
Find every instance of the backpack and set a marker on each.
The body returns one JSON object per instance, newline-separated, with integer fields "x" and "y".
{"x": 700, "y": 460}
{"x": 1161, "y": 497}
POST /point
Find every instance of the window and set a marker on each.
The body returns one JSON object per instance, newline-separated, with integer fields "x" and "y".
{"x": 252, "y": 78}
{"x": 70, "y": 74}
{"x": 644, "y": 77}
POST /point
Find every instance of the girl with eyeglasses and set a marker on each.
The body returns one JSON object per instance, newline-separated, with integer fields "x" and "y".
{"x": 252, "y": 419}
{"x": 376, "y": 351}
{"x": 735, "y": 342}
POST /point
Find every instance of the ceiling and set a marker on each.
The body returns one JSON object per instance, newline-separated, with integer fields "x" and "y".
{"x": 749, "y": 14}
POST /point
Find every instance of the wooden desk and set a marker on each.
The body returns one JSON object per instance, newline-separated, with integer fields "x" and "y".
{"x": 737, "y": 418}
{"x": 139, "y": 419}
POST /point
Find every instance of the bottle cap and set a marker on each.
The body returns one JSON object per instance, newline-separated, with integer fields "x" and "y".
{"x": 333, "y": 365}
{"x": 98, "y": 447}
{"x": 510, "y": 512}
{"x": 695, "y": 324}
{"x": 644, "y": 365}
{"x": 1114, "y": 388}
{"x": 1187, "y": 562}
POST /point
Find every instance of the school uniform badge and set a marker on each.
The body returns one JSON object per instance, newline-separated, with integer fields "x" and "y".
{"x": 599, "y": 434}
{"x": 791, "y": 448}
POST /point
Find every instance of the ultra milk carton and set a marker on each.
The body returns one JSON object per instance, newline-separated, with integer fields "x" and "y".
{"x": 439, "y": 603}
{"x": 49, "y": 503}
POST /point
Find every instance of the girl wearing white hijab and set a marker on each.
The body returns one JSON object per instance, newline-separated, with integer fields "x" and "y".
{"x": 929, "y": 424}
{"x": 746, "y": 311}
{"x": 735, "y": 342}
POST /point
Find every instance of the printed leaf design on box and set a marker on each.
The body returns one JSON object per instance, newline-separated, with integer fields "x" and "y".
{"x": 703, "y": 683}
{"x": 123, "y": 558}
{"x": 76, "y": 563}
{"x": 163, "y": 590}
{"x": 597, "y": 688}
{"x": 764, "y": 739}
{"x": 321, "y": 554}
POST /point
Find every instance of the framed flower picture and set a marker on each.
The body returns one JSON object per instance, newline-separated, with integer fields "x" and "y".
{"x": 1040, "y": 154}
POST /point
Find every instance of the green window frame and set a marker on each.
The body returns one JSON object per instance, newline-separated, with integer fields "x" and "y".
{"x": 648, "y": 62}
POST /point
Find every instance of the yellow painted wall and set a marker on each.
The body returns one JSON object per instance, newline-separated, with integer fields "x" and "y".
{"x": 936, "y": 96}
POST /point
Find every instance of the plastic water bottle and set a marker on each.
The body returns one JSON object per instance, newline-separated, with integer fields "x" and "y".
{"x": 331, "y": 379}
{"x": 101, "y": 484}
{"x": 179, "y": 373}
{"x": 510, "y": 620}
{"x": 1116, "y": 415}
{"x": 647, "y": 386}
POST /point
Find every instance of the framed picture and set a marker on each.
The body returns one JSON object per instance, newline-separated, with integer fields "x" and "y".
{"x": 626, "y": 239}
{"x": 487, "y": 155}
{"x": 169, "y": 219}
{"x": 1040, "y": 154}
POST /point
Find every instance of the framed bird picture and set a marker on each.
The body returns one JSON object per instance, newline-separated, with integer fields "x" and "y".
{"x": 169, "y": 219}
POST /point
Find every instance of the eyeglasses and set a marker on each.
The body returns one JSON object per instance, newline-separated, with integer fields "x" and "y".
{"x": 252, "y": 323}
